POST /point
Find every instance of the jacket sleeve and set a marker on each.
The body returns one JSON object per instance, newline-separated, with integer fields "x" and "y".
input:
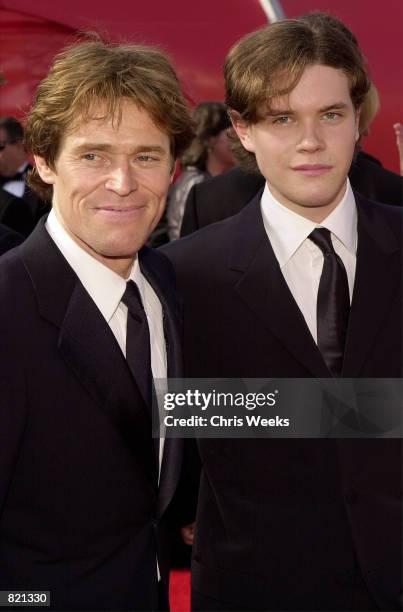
{"x": 190, "y": 222}
{"x": 13, "y": 408}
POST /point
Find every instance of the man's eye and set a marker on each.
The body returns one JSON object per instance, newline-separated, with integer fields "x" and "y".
{"x": 332, "y": 115}
{"x": 90, "y": 156}
{"x": 146, "y": 158}
{"x": 283, "y": 120}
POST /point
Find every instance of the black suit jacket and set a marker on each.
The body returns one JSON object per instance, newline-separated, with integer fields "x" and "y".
{"x": 218, "y": 198}
{"x": 285, "y": 524}
{"x": 15, "y": 213}
{"x": 372, "y": 180}
{"x": 22, "y": 214}
{"x": 8, "y": 238}
{"x": 225, "y": 195}
{"x": 80, "y": 513}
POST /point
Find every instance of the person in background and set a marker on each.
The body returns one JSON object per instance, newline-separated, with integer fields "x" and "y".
{"x": 208, "y": 155}
{"x": 367, "y": 175}
{"x": 8, "y": 237}
{"x": 398, "y": 127}
{"x": 20, "y": 206}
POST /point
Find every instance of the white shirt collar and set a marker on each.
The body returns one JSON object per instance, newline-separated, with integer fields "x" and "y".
{"x": 104, "y": 286}
{"x": 287, "y": 230}
{"x": 23, "y": 167}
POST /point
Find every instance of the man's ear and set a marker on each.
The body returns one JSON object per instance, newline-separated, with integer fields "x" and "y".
{"x": 243, "y": 130}
{"x": 174, "y": 169}
{"x": 44, "y": 170}
{"x": 357, "y": 124}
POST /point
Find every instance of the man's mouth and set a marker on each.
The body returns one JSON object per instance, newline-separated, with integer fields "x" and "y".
{"x": 120, "y": 211}
{"x": 312, "y": 169}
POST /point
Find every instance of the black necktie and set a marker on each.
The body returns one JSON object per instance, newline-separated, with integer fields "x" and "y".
{"x": 333, "y": 303}
{"x": 18, "y": 176}
{"x": 138, "y": 353}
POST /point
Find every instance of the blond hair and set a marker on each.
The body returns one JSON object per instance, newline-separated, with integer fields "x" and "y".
{"x": 93, "y": 71}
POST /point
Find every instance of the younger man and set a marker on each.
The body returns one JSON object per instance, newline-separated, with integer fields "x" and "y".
{"x": 304, "y": 282}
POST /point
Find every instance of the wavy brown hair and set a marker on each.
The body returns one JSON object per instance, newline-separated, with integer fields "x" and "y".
{"x": 90, "y": 76}
{"x": 270, "y": 61}
{"x": 209, "y": 119}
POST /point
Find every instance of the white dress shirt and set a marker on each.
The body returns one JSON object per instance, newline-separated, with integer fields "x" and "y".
{"x": 300, "y": 260}
{"x": 16, "y": 188}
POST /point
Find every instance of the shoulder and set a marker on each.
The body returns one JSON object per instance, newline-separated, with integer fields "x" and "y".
{"x": 383, "y": 222}
{"x": 392, "y": 215}
{"x": 202, "y": 248}
{"x": 9, "y": 238}
{"x": 18, "y": 301}
{"x": 156, "y": 260}
{"x": 36, "y": 265}
{"x": 376, "y": 182}
{"x": 11, "y": 265}
{"x": 237, "y": 178}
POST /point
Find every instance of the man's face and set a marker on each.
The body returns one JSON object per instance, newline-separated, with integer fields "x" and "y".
{"x": 110, "y": 184}
{"x": 305, "y": 142}
{"x": 12, "y": 156}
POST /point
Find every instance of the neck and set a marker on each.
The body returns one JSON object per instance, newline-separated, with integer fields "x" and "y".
{"x": 121, "y": 265}
{"x": 316, "y": 214}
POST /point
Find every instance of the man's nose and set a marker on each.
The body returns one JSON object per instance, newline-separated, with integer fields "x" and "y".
{"x": 310, "y": 138}
{"x": 122, "y": 179}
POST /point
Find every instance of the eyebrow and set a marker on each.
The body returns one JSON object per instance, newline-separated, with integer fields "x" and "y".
{"x": 336, "y": 106}
{"x": 100, "y": 146}
{"x": 289, "y": 111}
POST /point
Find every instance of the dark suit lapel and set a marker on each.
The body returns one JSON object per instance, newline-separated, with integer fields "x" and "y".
{"x": 379, "y": 266}
{"x": 263, "y": 288}
{"x": 4, "y": 201}
{"x": 88, "y": 345}
{"x": 150, "y": 265}
{"x": 90, "y": 348}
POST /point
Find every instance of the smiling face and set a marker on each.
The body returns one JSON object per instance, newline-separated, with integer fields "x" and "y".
{"x": 305, "y": 142}
{"x": 110, "y": 183}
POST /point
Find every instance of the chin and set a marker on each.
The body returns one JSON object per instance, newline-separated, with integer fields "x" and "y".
{"x": 121, "y": 244}
{"x": 120, "y": 253}
{"x": 319, "y": 197}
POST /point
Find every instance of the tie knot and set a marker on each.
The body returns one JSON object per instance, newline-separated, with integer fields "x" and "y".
{"x": 132, "y": 298}
{"x": 321, "y": 237}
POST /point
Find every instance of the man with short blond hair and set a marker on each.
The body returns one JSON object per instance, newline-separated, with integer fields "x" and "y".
{"x": 305, "y": 282}
{"x": 88, "y": 319}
